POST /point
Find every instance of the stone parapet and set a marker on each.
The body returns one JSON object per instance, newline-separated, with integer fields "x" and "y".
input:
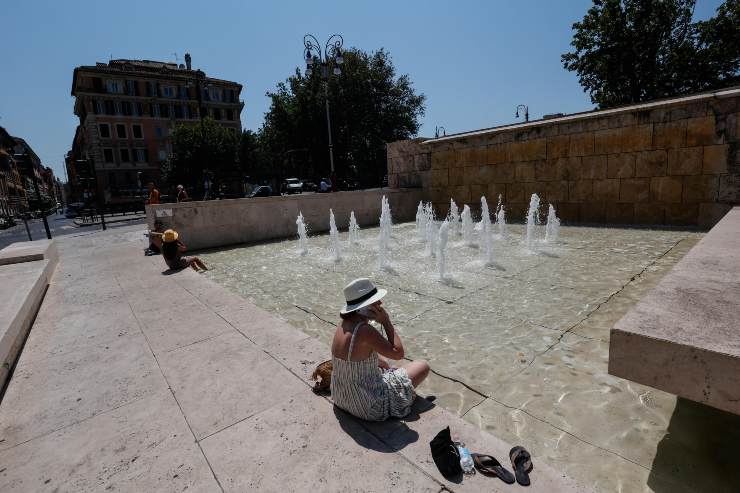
{"x": 682, "y": 337}
{"x": 228, "y": 222}
{"x": 671, "y": 162}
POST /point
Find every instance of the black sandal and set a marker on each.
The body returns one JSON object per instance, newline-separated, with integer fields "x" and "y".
{"x": 489, "y": 466}
{"x": 521, "y": 461}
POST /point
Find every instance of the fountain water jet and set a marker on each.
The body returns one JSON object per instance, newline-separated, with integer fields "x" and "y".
{"x": 354, "y": 229}
{"x": 501, "y": 218}
{"x": 442, "y": 249}
{"x": 421, "y": 226}
{"x": 432, "y": 233}
{"x": 336, "y": 251}
{"x": 553, "y": 226}
{"x": 467, "y": 226}
{"x": 454, "y": 218}
{"x": 384, "y": 237}
{"x": 532, "y": 220}
{"x": 302, "y": 235}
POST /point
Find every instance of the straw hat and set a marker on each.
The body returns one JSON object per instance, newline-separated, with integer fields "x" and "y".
{"x": 360, "y": 293}
{"x": 180, "y": 187}
{"x": 169, "y": 236}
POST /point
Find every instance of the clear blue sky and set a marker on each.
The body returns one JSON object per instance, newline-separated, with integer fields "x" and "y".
{"x": 474, "y": 60}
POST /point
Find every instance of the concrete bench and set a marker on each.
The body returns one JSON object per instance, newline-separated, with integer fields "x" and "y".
{"x": 683, "y": 337}
{"x": 22, "y": 287}
{"x": 29, "y": 251}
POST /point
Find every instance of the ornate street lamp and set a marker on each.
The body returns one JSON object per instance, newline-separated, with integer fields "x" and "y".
{"x": 526, "y": 112}
{"x": 318, "y": 59}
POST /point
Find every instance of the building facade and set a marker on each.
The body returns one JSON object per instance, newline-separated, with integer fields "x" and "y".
{"x": 128, "y": 110}
{"x": 12, "y": 191}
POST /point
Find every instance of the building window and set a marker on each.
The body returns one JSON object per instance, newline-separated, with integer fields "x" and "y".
{"x": 183, "y": 92}
{"x": 159, "y": 132}
{"x": 104, "y": 129}
{"x": 109, "y": 108}
{"x": 178, "y": 111}
{"x": 127, "y": 108}
{"x": 216, "y": 114}
{"x": 137, "y": 131}
{"x": 141, "y": 155}
{"x": 232, "y": 96}
{"x": 155, "y": 110}
{"x": 190, "y": 111}
{"x": 96, "y": 107}
{"x": 131, "y": 88}
{"x": 108, "y": 155}
{"x": 125, "y": 155}
{"x": 229, "y": 114}
{"x": 215, "y": 94}
{"x": 120, "y": 130}
{"x": 117, "y": 106}
{"x": 162, "y": 155}
{"x": 114, "y": 86}
{"x": 151, "y": 89}
{"x": 112, "y": 179}
{"x": 164, "y": 110}
{"x": 168, "y": 92}
{"x": 138, "y": 109}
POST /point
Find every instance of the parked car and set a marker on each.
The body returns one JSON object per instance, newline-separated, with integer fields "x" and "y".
{"x": 309, "y": 186}
{"x": 293, "y": 185}
{"x": 261, "y": 191}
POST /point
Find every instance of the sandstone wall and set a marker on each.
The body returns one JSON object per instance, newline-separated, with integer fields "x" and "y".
{"x": 673, "y": 162}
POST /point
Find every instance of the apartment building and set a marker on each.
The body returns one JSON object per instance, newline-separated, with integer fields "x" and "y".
{"x": 128, "y": 110}
{"x": 12, "y": 191}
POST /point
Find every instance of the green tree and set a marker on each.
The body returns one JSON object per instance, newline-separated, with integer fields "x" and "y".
{"x": 252, "y": 159}
{"x": 627, "y": 51}
{"x": 200, "y": 147}
{"x": 370, "y": 106}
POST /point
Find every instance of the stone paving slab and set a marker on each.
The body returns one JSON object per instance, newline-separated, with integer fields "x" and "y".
{"x": 211, "y": 394}
{"x": 143, "y": 446}
{"x": 682, "y": 337}
{"x": 22, "y": 288}
{"x": 29, "y": 251}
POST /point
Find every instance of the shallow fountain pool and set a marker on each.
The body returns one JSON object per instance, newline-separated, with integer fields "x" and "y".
{"x": 519, "y": 344}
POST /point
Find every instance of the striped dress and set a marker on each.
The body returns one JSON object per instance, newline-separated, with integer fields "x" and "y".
{"x": 364, "y": 390}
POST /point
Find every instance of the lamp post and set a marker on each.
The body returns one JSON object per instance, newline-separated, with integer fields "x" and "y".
{"x": 437, "y": 130}
{"x": 315, "y": 57}
{"x": 526, "y": 112}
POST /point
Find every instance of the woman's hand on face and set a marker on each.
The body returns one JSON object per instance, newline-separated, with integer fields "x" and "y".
{"x": 379, "y": 314}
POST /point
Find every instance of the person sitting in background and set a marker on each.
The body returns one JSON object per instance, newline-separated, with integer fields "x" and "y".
{"x": 363, "y": 384}
{"x": 323, "y": 186}
{"x": 153, "y": 194}
{"x": 182, "y": 195}
{"x": 172, "y": 250}
{"x": 155, "y": 239}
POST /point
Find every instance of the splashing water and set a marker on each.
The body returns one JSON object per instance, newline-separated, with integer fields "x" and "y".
{"x": 354, "y": 229}
{"x": 302, "y": 235}
{"x": 532, "y": 220}
{"x": 336, "y": 251}
{"x": 384, "y": 237}
{"x": 454, "y": 218}
{"x": 487, "y": 242}
{"x": 442, "y": 249}
{"x": 501, "y": 218}
{"x": 553, "y": 226}
{"x": 421, "y": 225}
{"x": 467, "y": 226}
{"x": 432, "y": 233}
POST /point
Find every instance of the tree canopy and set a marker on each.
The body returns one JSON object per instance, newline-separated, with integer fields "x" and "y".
{"x": 200, "y": 147}
{"x": 627, "y": 51}
{"x": 370, "y": 106}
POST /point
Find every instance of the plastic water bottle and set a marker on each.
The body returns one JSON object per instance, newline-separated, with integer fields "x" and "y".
{"x": 466, "y": 460}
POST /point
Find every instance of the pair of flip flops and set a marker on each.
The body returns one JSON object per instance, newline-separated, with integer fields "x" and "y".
{"x": 521, "y": 461}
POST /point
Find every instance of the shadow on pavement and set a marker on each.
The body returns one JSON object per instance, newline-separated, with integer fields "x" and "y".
{"x": 699, "y": 452}
{"x": 391, "y": 435}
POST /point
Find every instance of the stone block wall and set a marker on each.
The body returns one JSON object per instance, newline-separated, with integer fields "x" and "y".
{"x": 673, "y": 162}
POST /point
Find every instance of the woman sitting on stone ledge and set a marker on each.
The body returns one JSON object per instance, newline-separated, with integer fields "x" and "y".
{"x": 172, "y": 249}
{"x": 363, "y": 384}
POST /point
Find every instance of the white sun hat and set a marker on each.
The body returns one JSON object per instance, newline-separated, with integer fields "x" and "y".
{"x": 360, "y": 293}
